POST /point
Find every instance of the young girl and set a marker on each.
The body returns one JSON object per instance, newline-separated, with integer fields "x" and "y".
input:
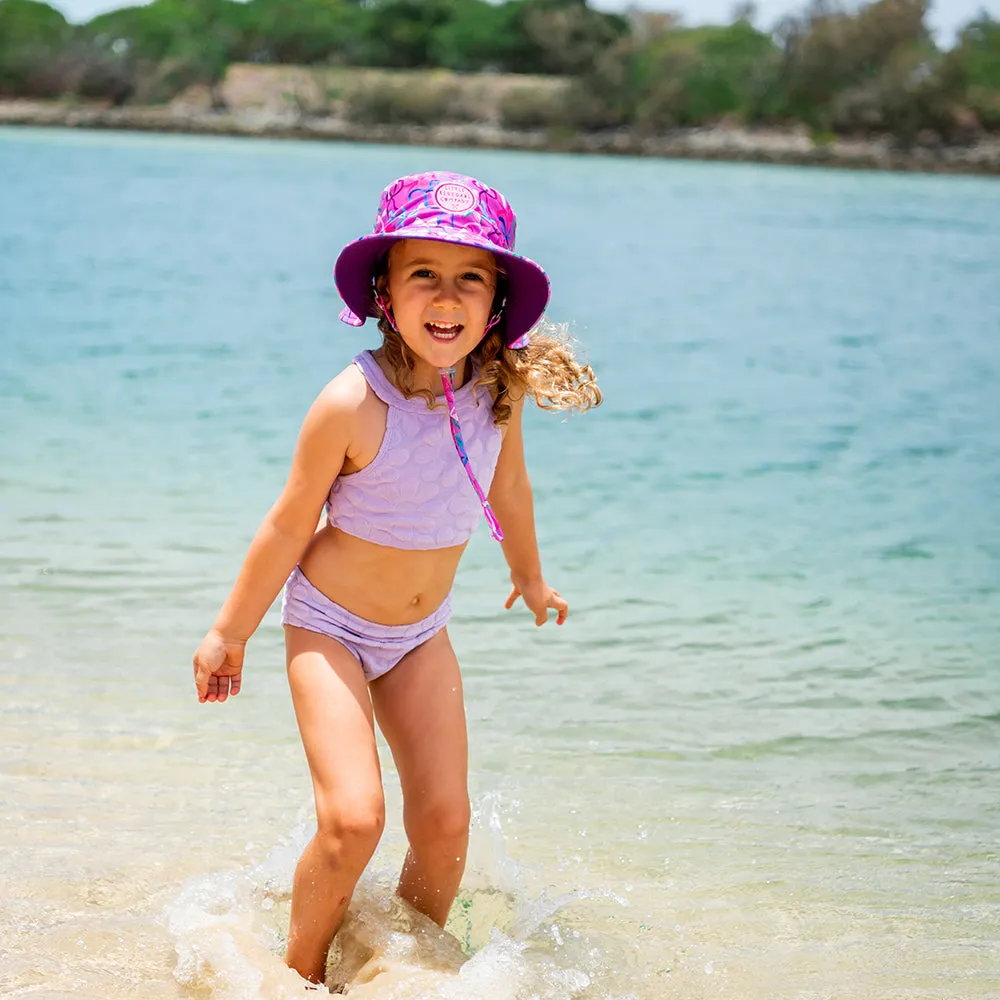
{"x": 407, "y": 449}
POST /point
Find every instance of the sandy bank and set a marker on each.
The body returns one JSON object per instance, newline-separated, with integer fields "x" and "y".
{"x": 297, "y": 103}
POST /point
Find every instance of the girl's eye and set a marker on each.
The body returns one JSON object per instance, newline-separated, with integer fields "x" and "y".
{"x": 422, "y": 272}
{"x": 473, "y": 276}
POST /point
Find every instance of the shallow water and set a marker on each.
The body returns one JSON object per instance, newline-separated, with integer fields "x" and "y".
{"x": 761, "y": 760}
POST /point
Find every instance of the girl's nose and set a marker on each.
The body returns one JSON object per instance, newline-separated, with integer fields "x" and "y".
{"x": 447, "y": 292}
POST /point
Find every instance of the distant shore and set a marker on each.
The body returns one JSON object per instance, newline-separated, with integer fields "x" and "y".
{"x": 792, "y": 146}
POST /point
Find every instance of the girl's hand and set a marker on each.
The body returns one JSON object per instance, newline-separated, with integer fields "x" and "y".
{"x": 218, "y": 667}
{"x": 539, "y": 597}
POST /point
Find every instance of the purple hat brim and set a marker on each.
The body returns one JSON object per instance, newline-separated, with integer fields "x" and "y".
{"x": 527, "y": 284}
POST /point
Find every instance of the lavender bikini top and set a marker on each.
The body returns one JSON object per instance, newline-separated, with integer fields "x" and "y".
{"x": 415, "y": 493}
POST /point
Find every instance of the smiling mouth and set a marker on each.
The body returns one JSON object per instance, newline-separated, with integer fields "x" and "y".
{"x": 444, "y": 332}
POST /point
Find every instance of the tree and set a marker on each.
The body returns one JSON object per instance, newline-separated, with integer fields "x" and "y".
{"x": 970, "y": 72}
{"x": 829, "y": 50}
{"x": 201, "y": 34}
{"x": 562, "y": 36}
{"x": 31, "y": 36}
{"x": 398, "y": 33}
{"x": 478, "y": 36}
{"x": 301, "y": 31}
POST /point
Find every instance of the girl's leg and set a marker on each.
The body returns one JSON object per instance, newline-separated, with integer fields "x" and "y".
{"x": 420, "y": 711}
{"x": 334, "y": 714}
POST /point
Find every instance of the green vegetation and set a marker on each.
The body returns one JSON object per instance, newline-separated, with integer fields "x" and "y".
{"x": 835, "y": 68}
{"x": 33, "y": 37}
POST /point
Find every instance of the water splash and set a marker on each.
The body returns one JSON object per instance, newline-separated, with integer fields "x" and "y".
{"x": 229, "y": 932}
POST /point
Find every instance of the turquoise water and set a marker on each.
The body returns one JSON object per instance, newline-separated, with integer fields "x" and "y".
{"x": 761, "y": 760}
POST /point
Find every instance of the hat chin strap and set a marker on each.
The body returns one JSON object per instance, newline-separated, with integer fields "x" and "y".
{"x": 495, "y": 318}
{"x": 448, "y": 380}
{"x": 383, "y": 304}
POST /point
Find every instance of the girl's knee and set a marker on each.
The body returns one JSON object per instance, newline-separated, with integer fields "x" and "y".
{"x": 439, "y": 821}
{"x": 350, "y": 828}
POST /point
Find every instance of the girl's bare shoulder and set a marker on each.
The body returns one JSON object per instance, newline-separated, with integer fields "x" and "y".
{"x": 348, "y": 394}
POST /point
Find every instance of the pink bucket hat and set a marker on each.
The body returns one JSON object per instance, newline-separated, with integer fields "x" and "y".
{"x": 454, "y": 209}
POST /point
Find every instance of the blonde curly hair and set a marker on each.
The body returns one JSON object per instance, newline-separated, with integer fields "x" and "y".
{"x": 547, "y": 369}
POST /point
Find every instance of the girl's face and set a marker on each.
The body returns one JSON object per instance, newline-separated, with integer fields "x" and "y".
{"x": 440, "y": 294}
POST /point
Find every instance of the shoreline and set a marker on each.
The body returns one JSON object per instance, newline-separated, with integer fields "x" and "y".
{"x": 720, "y": 143}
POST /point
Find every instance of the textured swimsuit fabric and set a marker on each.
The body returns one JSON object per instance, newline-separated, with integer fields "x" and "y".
{"x": 378, "y": 648}
{"x": 415, "y": 493}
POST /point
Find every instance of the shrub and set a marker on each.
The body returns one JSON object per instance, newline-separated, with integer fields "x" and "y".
{"x": 411, "y": 100}
{"x": 703, "y": 74}
{"x": 532, "y": 107}
{"x": 160, "y": 83}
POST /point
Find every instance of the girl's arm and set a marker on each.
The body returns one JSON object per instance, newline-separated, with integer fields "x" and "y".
{"x": 511, "y": 500}
{"x": 280, "y": 541}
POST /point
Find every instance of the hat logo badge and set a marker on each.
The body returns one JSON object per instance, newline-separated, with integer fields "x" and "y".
{"x": 454, "y": 197}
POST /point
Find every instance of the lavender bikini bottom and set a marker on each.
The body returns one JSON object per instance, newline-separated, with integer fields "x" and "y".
{"x": 378, "y": 648}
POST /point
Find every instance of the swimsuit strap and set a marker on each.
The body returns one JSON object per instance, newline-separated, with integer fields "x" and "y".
{"x": 391, "y": 395}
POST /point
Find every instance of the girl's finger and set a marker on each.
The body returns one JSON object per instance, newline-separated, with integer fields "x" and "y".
{"x": 561, "y": 606}
{"x": 200, "y": 682}
{"x": 514, "y": 595}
